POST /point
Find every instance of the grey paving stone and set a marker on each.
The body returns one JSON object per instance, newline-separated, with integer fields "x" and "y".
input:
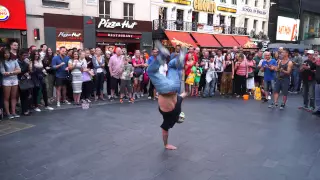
{"x": 221, "y": 139}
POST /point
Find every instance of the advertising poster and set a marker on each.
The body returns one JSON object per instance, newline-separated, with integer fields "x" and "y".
{"x": 287, "y": 29}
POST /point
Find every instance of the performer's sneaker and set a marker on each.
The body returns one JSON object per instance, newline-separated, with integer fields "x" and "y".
{"x": 161, "y": 48}
{"x": 282, "y": 106}
{"x": 131, "y": 100}
{"x": 121, "y": 100}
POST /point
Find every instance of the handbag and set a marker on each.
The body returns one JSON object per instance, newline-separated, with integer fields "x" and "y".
{"x": 251, "y": 75}
{"x": 69, "y": 77}
{"x": 25, "y": 83}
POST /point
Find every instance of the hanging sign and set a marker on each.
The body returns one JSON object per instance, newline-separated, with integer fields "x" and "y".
{"x": 204, "y": 5}
{"x": 183, "y": 2}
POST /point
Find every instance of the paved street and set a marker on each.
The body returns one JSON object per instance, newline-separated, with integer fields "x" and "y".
{"x": 221, "y": 139}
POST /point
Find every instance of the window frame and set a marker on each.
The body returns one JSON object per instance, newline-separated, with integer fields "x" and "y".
{"x": 264, "y": 4}
{"x": 104, "y": 15}
{"x": 223, "y": 1}
{"x": 246, "y": 22}
{"x": 128, "y": 17}
{"x": 263, "y": 25}
{"x": 51, "y": 4}
{"x": 212, "y": 19}
{"x": 246, "y": 2}
{"x": 256, "y": 3}
{"x": 255, "y": 23}
{"x": 234, "y": 2}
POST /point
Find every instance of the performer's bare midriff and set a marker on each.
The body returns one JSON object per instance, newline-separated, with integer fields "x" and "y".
{"x": 168, "y": 88}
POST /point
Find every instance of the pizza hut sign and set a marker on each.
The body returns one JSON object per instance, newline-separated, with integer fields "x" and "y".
{"x": 69, "y": 35}
{"x": 110, "y": 24}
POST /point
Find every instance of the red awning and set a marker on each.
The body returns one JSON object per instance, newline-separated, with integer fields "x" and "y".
{"x": 226, "y": 40}
{"x": 180, "y": 38}
{"x": 206, "y": 40}
{"x": 245, "y": 42}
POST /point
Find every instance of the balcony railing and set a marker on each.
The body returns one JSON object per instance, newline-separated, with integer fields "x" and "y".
{"x": 161, "y": 24}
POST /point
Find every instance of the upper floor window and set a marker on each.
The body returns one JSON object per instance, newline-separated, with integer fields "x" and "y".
{"x": 255, "y": 22}
{"x": 104, "y": 9}
{"x": 256, "y": 3}
{"x": 210, "y": 19}
{"x": 263, "y": 25}
{"x": 223, "y": 1}
{"x": 246, "y": 2}
{"x": 128, "y": 11}
{"x": 264, "y": 4}
{"x": 55, "y": 4}
{"x": 234, "y": 2}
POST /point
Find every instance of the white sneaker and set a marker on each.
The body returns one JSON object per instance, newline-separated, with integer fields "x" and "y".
{"x": 149, "y": 97}
{"x": 37, "y": 109}
{"x": 58, "y": 104}
{"x": 138, "y": 96}
{"x": 141, "y": 95}
{"x": 269, "y": 97}
{"x": 49, "y": 108}
{"x": 88, "y": 100}
{"x": 67, "y": 102}
{"x": 109, "y": 97}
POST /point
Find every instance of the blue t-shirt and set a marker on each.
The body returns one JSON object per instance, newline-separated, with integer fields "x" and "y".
{"x": 150, "y": 60}
{"x": 268, "y": 74}
{"x": 61, "y": 71}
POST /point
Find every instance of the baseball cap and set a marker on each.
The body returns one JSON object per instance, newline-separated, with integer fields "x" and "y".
{"x": 310, "y": 52}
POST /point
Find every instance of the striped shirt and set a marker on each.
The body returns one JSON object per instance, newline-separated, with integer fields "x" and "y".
{"x": 242, "y": 69}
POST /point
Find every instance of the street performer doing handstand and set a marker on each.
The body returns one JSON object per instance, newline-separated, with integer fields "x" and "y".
{"x": 168, "y": 87}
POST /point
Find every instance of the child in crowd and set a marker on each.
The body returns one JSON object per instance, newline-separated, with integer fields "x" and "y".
{"x": 211, "y": 78}
{"x": 197, "y": 71}
{"x": 126, "y": 84}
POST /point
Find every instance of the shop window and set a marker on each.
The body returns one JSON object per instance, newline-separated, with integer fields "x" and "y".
{"x": 210, "y": 19}
{"x": 256, "y": 3}
{"x": 234, "y": 2}
{"x": 55, "y": 4}
{"x": 104, "y": 9}
{"x": 128, "y": 11}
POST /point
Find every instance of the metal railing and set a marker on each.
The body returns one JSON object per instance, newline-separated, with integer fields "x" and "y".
{"x": 162, "y": 24}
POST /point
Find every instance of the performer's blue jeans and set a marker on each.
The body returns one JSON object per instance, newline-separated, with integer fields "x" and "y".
{"x": 165, "y": 84}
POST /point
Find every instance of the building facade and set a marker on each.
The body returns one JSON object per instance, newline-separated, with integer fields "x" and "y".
{"x": 124, "y": 24}
{"x": 89, "y": 23}
{"x": 310, "y": 24}
{"x": 13, "y": 22}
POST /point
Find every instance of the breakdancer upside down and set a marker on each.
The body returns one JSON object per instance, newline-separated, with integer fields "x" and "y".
{"x": 168, "y": 87}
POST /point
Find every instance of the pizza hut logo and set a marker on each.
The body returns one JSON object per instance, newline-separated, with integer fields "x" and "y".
{"x": 67, "y": 35}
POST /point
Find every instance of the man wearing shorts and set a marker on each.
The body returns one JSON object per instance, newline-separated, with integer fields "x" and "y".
{"x": 268, "y": 66}
{"x": 168, "y": 87}
{"x": 59, "y": 64}
{"x": 283, "y": 79}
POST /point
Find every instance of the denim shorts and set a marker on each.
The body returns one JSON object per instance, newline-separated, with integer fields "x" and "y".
{"x": 10, "y": 82}
{"x": 269, "y": 85}
{"x": 282, "y": 85}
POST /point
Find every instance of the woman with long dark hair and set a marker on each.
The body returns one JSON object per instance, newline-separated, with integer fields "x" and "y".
{"x": 38, "y": 74}
{"x": 51, "y": 76}
{"x": 227, "y": 76}
{"x": 10, "y": 69}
